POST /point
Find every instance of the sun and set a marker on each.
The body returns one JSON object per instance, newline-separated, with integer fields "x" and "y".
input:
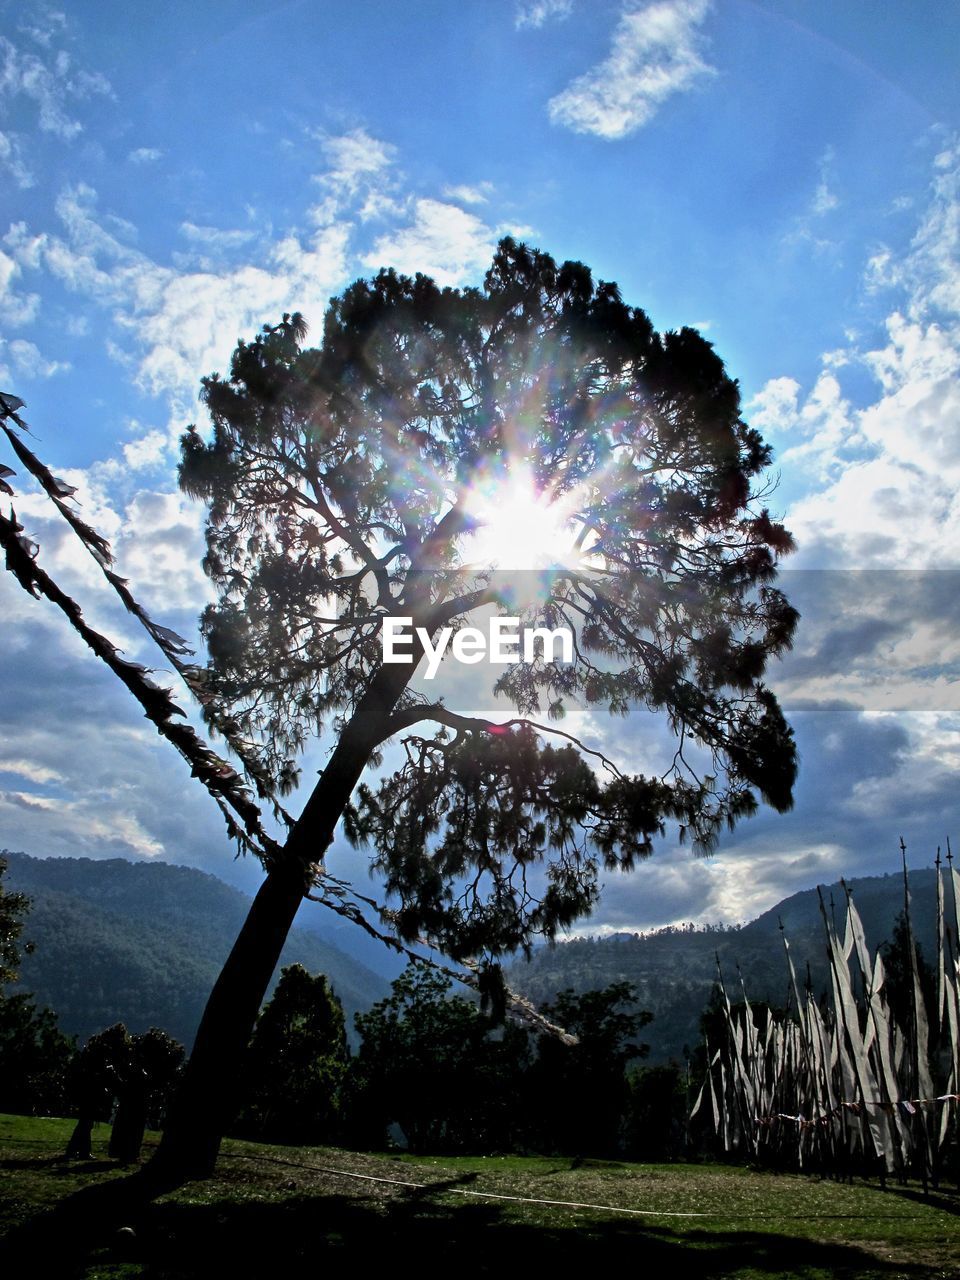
{"x": 519, "y": 527}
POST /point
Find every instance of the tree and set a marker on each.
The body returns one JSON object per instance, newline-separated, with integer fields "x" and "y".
{"x": 34, "y": 1056}
{"x": 146, "y": 1078}
{"x": 94, "y": 1080}
{"x": 582, "y": 1088}
{"x": 656, "y": 1113}
{"x": 341, "y": 482}
{"x": 296, "y": 1064}
{"x": 33, "y": 1051}
{"x": 432, "y": 1063}
{"x": 898, "y": 977}
{"x": 137, "y": 1072}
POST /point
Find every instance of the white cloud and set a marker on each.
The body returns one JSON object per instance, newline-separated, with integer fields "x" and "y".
{"x": 55, "y": 25}
{"x": 536, "y": 12}
{"x": 15, "y": 309}
{"x": 442, "y": 241}
{"x": 62, "y": 707}
{"x": 161, "y": 548}
{"x": 12, "y": 160}
{"x": 149, "y": 450}
{"x": 171, "y": 324}
{"x": 29, "y": 770}
{"x": 824, "y": 199}
{"x": 183, "y": 323}
{"x": 734, "y": 886}
{"x": 358, "y": 163}
{"x": 925, "y": 773}
{"x": 26, "y": 248}
{"x": 29, "y": 363}
{"x": 827, "y": 426}
{"x": 215, "y": 237}
{"x": 807, "y": 228}
{"x": 144, "y": 155}
{"x": 80, "y": 821}
{"x": 881, "y": 272}
{"x": 49, "y": 86}
{"x": 212, "y": 246}
{"x": 469, "y": 195}
{"x": 61, "y": 552}
{"x": 355, "y": 155}
{"x": 654, "y": 54}
{"x": 884, "y": 476}
{"x": 774, "y": 409}
{"x": 190, "y": 323}
{"x": 157, "y": 540}
{"x": 181, "y": 320}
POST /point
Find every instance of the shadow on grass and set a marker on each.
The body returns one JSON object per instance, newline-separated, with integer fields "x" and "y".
{"x": 946, "y": 1201}
{"x": 113, "y": 1226}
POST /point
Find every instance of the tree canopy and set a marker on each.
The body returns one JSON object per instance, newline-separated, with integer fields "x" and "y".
{"x": 342, "y": 482}
{"x": 296, "y": 1063}
{"x": 432, "y": 1063}
{"x": 345, "y": 483}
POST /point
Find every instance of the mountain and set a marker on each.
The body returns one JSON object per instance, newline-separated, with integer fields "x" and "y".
{"x": 674, "y": 969}
{"x": 143, "y": 942}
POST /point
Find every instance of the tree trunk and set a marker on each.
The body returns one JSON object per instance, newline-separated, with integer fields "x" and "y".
{"x": 129, "y": 1124}
{"x": 208, "y": 1098}
{"x": 79, "y": 1147}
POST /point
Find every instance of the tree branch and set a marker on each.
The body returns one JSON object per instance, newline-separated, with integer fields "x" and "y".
{"x": 439, "y": 714}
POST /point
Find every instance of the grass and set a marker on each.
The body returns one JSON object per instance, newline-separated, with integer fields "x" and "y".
{"x": 289, "y": 1212}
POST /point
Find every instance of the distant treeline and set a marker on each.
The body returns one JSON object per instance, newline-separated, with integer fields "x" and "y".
{"x": 432, "y": 1073}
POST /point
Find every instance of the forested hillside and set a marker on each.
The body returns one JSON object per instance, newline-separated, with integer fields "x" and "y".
{"x": 674, "y": 969}
{"x": 143, "y": 943}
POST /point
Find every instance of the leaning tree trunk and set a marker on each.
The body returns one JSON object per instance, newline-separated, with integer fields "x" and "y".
{"x": 208, "y": 1097}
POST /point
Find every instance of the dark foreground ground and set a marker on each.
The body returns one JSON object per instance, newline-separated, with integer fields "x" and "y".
{"x": 290, "y": 1212}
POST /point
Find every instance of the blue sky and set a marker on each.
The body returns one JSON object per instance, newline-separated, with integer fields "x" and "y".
{"x": 783, "y": 176}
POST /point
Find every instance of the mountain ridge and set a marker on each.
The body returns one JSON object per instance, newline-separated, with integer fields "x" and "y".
{"x": 674, "y": 969}
{"x": 143, "y": 942}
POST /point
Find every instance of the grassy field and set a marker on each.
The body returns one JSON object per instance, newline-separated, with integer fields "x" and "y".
{"x": 283, "y": 1212}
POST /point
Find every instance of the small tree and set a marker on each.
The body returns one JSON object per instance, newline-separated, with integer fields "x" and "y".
{"x": 341, "y": 482}
{"x": 136, "y": 1074}
{"x": 95, "y": 1077}
{"x": 34, "y": 1056}
{"x": 656, "y": 1113}
{"x": 34, "y": 1053}
{"x": 582, "y": 1088}
{"x": 297, "y": 1063}
{"x": 430, "y": 1062}
{"x": 145, "y": 1080}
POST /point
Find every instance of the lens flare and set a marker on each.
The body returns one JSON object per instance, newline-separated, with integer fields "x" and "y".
{"x": 518, "y": 526}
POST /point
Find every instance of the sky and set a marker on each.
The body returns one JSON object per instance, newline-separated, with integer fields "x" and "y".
{"x": 783, "y": 176}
